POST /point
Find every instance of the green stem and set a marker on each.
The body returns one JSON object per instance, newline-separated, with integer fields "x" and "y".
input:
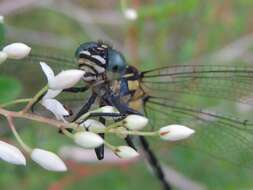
{"x": 83, "y": 117}
{"x": 20, "y": 141}
{"x": 125, "y": 132}
{"x": 114, "y": 125}
{"x": 18, "y": 101}
{"x": 35, "y": 98}
{"x": 110, "y": 146}
{"x": 67, "y": 133}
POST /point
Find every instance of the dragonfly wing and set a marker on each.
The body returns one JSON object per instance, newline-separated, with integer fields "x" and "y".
{"x": 196, "y": 96}
{"x": 212, "y": 81}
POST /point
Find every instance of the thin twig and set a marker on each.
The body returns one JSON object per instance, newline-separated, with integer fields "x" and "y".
{"x": 34, "y": 99}
{"x": 13, "y": 128}
{"x": 18, "y": 101}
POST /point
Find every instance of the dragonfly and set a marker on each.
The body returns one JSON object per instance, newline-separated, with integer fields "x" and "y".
{"x": 173, "y": 94}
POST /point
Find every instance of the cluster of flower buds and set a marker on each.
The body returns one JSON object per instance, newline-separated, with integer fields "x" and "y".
{"x": 56, "y": 83}
{"x": 85, "y": 131}
{"x": 9, "y": 153}
{"x": 47, "y": 160}
{"x": 14, "y": 51}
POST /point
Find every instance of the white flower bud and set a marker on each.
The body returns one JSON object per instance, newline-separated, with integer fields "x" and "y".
{"x": 175, "y": 132}
{"x": 131, "y": 14}
{"x": 3, "y": 56}
{"x": 108, "y": 109}
{"x": 126, "y": 152}
{"x": 11, "y": 154}
{"x": 92, "y": 124}
{"x": 56, "y": 108}
{"x": 17, "y": 50}
{"x": 48, "y": 160}
{"x": 64, "y": 79}
{"x": 135, "y": 122}
{"x": 88, "y": 139}
{"x": 51, "y": 94}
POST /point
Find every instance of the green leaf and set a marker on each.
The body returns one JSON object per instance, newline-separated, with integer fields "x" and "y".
{"x": 9, "y": 89}
{"x": 2, "y": 33}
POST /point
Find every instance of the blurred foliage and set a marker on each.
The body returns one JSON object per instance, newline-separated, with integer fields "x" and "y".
{"x": 2, "y": 33}
{"x": 167, "y": 32}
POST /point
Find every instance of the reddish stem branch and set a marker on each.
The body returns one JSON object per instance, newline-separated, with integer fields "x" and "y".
{"x": 33, "y": 117}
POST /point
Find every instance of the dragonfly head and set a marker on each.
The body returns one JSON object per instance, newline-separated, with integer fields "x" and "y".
{"x": 97, "y": 58}
{"x": 92, "y": 58}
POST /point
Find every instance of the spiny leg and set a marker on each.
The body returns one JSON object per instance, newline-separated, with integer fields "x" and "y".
{"x": 124, "y": 109}
{"x": 86, "y": 107}
{"x": 72, "y": 90}
{"x": 37, "y": 101}
{"x": 76, "y": 89}
{"x": 153, "y": 161}
{"x": 151, "y": 157}
{"x": 100, "y": 150}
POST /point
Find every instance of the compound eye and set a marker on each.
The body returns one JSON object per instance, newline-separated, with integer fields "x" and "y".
{"x": 115, "y": 68}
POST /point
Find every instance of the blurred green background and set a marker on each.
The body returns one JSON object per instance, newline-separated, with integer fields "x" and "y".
{"x": 166, "y": 32}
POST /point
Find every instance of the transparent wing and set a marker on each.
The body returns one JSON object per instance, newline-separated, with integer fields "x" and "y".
{"x": 205, "y": 98}
{"x": 212, "y": 81}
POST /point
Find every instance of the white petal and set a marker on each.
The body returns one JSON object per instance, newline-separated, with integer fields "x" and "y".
{"x": 17, "y": 50}
{"x": 47, "y": 71}
{"x": 11, "y": 154}
{"x": 3, "y": 56}
{"x": 65, "y": 79}
{"x": 131, "y": 14}
{"x": 135, "y": 122}
{"x": 48, "y": 160}
{"x": 51, "y": 94}
{"x": 55, "y": 107}
{"x": 108, "y": 109}
{"x": 92, "y": 124}
{"x": 88, "y": 139}
{"x": 175, "y": 132}
{"x": 126, "y": 152}
{"x": 1, "y": 19}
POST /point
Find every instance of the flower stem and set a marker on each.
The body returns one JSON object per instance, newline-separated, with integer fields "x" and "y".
{"x": 16, "y": 102}
{"x": 110, "y": 146}
{"x": 125, "y": 132}
{"x": 67, "y": 133}
{"x": 114, "y": 125}
{"x": 34, "y": 99}
{"x": 20, "y": 141}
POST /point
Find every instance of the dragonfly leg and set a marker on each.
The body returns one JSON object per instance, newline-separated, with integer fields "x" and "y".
{"x": 73, "y": 90}
{"x": 154, "y": 163}
{"x": 100, "y": 150}
{"x": 151, "y": 157}
{"x": 37, "y": 101}
{"x": 124, "y": 109}
{"x": 85, "y": 107}
{"x": 76, "y": 89}
{"x": 100, "y": 114}
{"x": 129, "y": 141}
